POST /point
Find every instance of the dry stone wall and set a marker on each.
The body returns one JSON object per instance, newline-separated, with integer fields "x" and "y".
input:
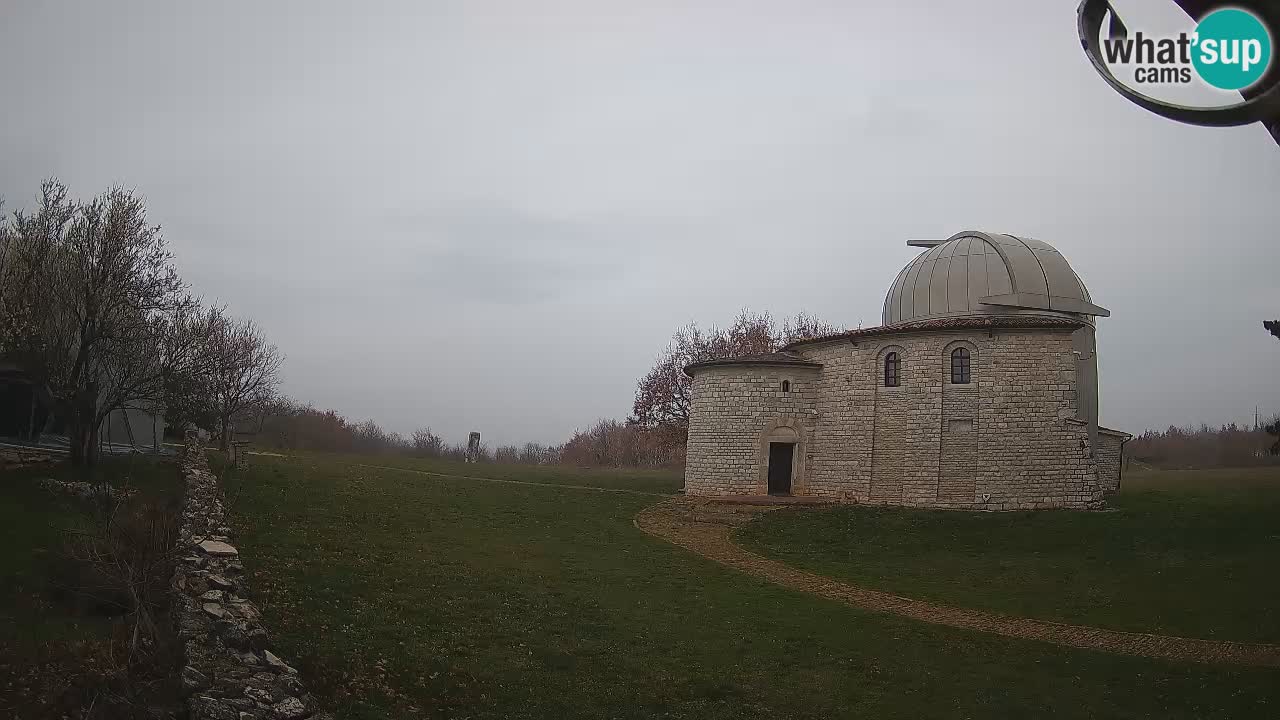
{"x": 12, "y": 458}
{"x": 231, "y": 672}
{"x": 1005, "y": 441}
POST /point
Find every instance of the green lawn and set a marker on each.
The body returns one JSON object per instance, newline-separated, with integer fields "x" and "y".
{"x": 654, "y": 481}
{"x": 51, "y": 644}
{"x": 403, "y": 595}
{"x": 1184, "y": 553}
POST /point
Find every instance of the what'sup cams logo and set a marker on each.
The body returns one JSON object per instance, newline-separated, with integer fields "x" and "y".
{"x": 1230, "y": 49}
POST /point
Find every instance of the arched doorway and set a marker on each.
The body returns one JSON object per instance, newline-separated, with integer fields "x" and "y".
{"x": 781, "y": 462}
{"x": 782, "y": 450}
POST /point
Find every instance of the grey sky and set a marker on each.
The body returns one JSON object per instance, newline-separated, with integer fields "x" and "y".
{"x": 484, "y": 215}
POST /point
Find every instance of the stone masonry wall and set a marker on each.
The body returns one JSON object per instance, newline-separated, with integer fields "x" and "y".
{"x": 1031, "y": 456}
{"x": 1002, "y": 442}
{"x": 958, "y": 457}
{"x": 230, "y": 672}
{"x": 732, "y": 407}
{"x": 1109, "y": 459}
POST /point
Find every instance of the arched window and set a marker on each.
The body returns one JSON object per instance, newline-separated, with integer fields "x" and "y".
{"x": 891, "y": 367}
{"x": 786, "y": 386}
{"x": 960, "y": 366}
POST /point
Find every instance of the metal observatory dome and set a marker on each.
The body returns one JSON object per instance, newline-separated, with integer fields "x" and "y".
{"x": 978, "y": 274}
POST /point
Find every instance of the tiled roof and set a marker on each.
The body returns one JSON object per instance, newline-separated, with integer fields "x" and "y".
{"x": 774, "y": 358}
{"x": 784, "y": 357}
{"x": 957, "y": 323}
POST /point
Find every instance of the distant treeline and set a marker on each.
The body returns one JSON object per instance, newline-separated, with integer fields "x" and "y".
{"x": 654, "y": 436}
{"x": 611, "y": 443}
{"x": 1203, "y": 447}
{"x": 291, "y": 425}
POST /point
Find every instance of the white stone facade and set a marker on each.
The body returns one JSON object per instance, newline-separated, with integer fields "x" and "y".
{"x": 1008, "y": 440}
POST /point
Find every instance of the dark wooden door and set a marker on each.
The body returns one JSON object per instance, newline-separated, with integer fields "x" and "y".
{"x": 780, "y": 468}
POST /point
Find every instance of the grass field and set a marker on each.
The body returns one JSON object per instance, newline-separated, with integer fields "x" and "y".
{"x": 401, "y": 594}
{"x": 1182, "y": 553}
{"x": 55, "y": 650}
{"x": 654, "y": 481}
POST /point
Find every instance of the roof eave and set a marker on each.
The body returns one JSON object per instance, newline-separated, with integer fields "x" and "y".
{"x": 732, "y": 362}
{"x": 1001, "y": 322}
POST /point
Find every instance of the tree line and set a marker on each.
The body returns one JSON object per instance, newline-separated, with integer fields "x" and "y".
{"x": 1203, "y": 447}
{"x": 95, "y": 316}
{"x": 289, "y": 425}
{"x": 654, "y": 435}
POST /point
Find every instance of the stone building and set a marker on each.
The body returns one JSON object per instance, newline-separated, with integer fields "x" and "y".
{"x": 979, "y": 391}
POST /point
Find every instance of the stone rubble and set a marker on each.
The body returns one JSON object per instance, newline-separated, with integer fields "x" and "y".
{"x": 13, "y": 458}
{"x": 85, "y": 490}
{"x": 230, "y": 673}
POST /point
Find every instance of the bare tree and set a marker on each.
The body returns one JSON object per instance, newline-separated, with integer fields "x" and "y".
{"x": 189, "y": 395}
{"x": 94, "y": 309}
{"x": 663, "y": 394}
{"x": 25, "y": 264}
{"x": 805, "y": 327}
{"x": 246, "y": 369}
{"x": 427, "y": 443}
{"x": 609, "y": 443}
{"x": 535, "y": 454}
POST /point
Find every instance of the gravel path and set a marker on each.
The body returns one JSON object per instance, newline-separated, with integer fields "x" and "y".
{"x": 704, "y": 527}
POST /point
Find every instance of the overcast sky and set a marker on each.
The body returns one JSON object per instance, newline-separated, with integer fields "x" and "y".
{"x": 491, "y": 215}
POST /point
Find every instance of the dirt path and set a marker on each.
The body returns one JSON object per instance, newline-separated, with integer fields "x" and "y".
{"x": 704, "y": 527}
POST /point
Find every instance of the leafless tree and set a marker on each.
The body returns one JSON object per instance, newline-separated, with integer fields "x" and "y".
{"x": 507, "y": 454}
{"x": 246, "y": 371}
{"x": 93, "y": 308}
{"x": 805, "y": 327}
{"x": 535, "y": 454}
{"x": 663, "y": 394}
{"x": 189, "y": 387}
{"x": 427, "y": 443}
{"x": 609, "y": 443}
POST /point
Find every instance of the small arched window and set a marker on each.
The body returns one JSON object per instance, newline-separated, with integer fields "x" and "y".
{"x": 960, "y": 366}
{"x": 891, "y": 368}
{"x": 786, "y": 386}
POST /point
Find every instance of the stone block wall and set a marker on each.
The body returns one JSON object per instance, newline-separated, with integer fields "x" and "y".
{"x": 1032, "y": 457}
{"x": 732, "y": 407}
{"x": 958, "y": 458}
{"x": 1110, "y": 456}
{"x": 1001, "y": 442}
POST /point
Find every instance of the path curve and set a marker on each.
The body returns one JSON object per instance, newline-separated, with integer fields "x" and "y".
{"x": 704, "y": 527}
